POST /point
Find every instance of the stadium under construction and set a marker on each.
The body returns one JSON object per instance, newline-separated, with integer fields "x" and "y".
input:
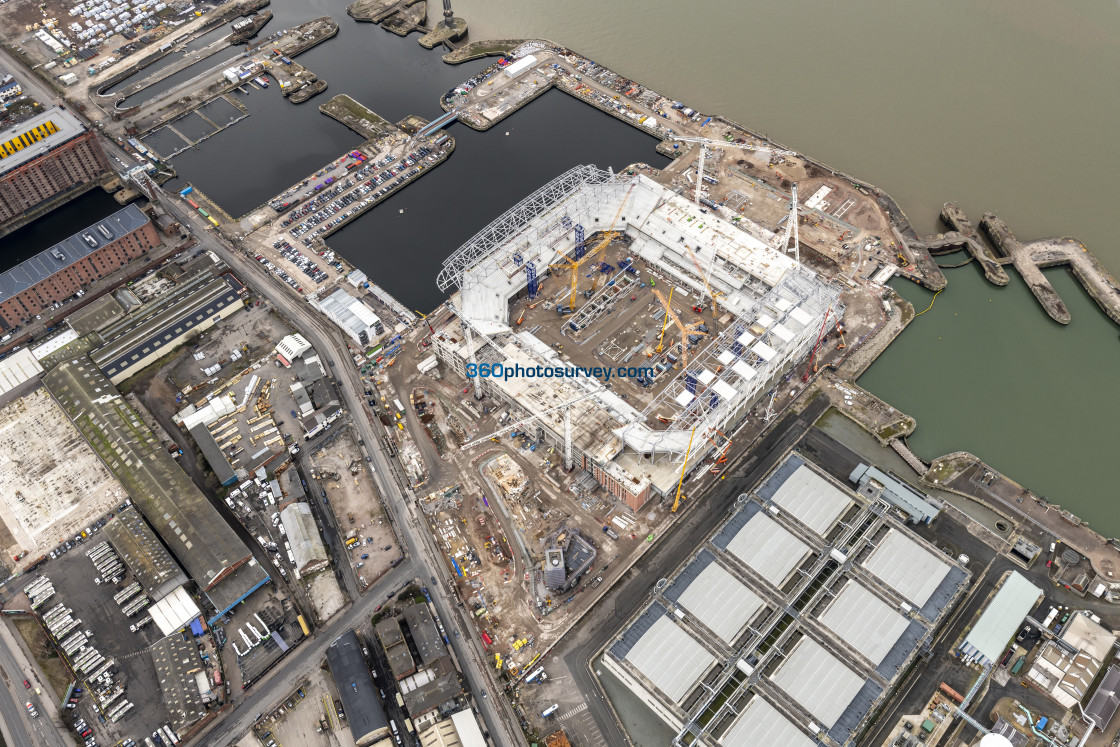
{"x": 791, "y": 622}
{"x": 598, "y": 269}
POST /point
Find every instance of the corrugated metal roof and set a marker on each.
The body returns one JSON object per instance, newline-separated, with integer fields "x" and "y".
{"x": 813, "y": 500}
{"x": 763, "y": 725}
{"x": 868, "y": 623}
{"x": 907, "y": 567}
{"x": 817, "y": 680}
{"x": 769, "y": 548}
{"x": 1003, "y": 615}
{"x": 69, "y": 250}
{"x": 670, "y": 658}
{"x": 17, "y": 368}
{"x": 720, "y": 601}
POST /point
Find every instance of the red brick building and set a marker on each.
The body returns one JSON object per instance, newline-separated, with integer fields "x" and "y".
{"x": 43, "y": 157}
{"x": 55, "y": 274}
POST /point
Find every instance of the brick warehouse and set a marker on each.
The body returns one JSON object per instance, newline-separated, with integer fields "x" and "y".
{"x": 57, "y": 273}
{"x": 44, "y": 156}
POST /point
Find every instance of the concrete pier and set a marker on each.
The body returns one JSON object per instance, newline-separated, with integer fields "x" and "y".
{"x": 1002, "y": 237}
{"x": 954, "y": 217}
{"x": 1030, "y": 258}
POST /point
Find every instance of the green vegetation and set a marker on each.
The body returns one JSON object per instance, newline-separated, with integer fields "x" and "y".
{"x": 58, "y": 675}
{"x": 901, "y": 427}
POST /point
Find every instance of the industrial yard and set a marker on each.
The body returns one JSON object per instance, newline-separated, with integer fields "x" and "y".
{"x": 345, "y": 486}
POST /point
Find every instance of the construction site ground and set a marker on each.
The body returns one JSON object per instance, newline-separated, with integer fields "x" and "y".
{"x": 513, "y": 527}
{"x": 340, "y": 470}
{"x": 52, "y": 484}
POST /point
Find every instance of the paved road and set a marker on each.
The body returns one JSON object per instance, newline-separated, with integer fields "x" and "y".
{"x": 306, "y": 659}
{"x": 415, "y": 540}
{"x": 677, "y": 544}
{"x": 20, "y": 730}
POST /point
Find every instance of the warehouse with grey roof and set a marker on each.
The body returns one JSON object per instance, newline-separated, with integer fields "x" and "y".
{"x": 213, "y": 555}
{"x": 791, "y": 621}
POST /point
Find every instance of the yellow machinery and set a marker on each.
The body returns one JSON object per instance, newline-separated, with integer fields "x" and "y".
{"x": 685, "y": 329}
{"x": 680, "y": 483}
{"x": 664, "y": 321}
{"x": 574, "y": 265}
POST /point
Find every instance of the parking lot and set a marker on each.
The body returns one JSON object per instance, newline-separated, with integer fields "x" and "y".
{"x": 107, "y": 629}
{"x": 288, "y": 247}
{"x": 310, "y": 720}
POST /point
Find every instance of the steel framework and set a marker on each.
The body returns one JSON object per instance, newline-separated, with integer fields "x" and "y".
{"x": 513, "y": 229}
{"x": 743, "y": 371}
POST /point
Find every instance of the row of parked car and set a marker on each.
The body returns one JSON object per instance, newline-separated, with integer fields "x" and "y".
{"x": 300, "y": 260}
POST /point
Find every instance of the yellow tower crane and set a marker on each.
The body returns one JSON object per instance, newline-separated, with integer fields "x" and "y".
{"x": 574, "y": 265}
{"x": 685, "y": 329}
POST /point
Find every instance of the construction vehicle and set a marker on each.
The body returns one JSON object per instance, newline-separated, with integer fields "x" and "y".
{"x": 685, "y": 329}
{"x": 664, "y": 321}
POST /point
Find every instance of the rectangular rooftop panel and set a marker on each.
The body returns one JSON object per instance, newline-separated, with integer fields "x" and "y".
{"x": 720, "y": 601}
{"x": 763, "y": 725}
{"x": 744, "y": 370}
{"x": 768, "y": 548}
{"x": 868, "y": 623}
{"x": 907, "y": 567}
{"x": 817, "y": 680}
{"x": 813, "y": 500}
{"x": 764, "y": 351}
{"x": 670, "y": 658}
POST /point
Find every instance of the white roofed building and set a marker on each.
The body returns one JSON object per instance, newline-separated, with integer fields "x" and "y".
{"x": 352, "y": 316}
{"x": 303, "y": 536}
{"x": 768, "y": 634}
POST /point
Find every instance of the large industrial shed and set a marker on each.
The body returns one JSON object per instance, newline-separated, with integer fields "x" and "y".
{"x": 768, "y": 634}
{"x": 359, "y": 698}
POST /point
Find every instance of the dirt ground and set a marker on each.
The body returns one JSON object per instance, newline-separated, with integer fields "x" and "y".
{"x": 326, "y": 595}
{"x": 353, "y": 494}
{"x": 298, "y": 725}
{"x": 52, "y": 485}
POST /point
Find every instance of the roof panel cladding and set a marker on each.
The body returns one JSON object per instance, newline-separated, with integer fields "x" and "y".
{"x": 670, "y": 658}
{"x": 143, "y": 553}
{"x": 907, "y": 567}
{"x": 359, "y": 699}
{"x": 810, "y": 498}
{"x": 817, "y": 680}
{"x": 68, "y": 251}
{"x": 181, "y": 515}
{"x": 717, "y": 598}
{"x": 769, "y": 548}
{"x": 763, "y": 725}
{"x": 866, "y": 622}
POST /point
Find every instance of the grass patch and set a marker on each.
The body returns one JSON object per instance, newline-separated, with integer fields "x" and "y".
{"x": 894, "y": 429}
{"x": 58, "y": 676}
